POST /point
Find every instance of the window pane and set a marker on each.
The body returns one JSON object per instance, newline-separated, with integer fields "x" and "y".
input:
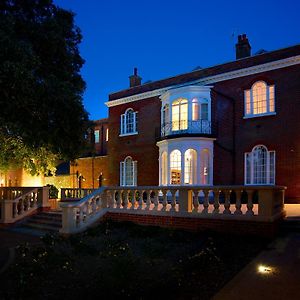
{"x": 195, "y": 110}
{"x": 189, "y": 166}
{"x": 164, "y": 168}
{"x": 271, "y": 99}
{"x": 259, "y": 156}
{"x": 205, "y": 166}
{"x": 259, "y": 92}
{"x": 175, "y": 116}
{"x": 248, "y": 168}
{"x": 128, "y": 171}
{"x": 175, "y": 167}
{"x": 97, "y": 136}
{"x": 248, "y": 107}
{"x": 106, "y": 135}
{"x": 204, "y": 111}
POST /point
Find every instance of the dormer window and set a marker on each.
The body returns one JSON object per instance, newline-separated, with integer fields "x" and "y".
{"x": 259, "y": 100}
{"x": 129, "y": 122}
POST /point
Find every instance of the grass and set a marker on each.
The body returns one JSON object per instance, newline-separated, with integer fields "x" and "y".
{"x": 123, "y": 260}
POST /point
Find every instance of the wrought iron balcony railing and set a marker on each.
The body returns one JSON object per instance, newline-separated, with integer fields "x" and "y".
{"x": 186, "y": 127}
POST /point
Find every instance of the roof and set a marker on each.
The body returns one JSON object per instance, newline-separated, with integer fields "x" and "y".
{"x": 247, "y": 62}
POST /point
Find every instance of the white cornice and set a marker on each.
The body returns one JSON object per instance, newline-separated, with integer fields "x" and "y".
{"x": 278, "y": 64}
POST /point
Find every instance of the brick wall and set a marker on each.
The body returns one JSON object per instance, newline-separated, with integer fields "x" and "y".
{"x": 265, "y": 229}
{"x": 280, "y": 132}
{"x": 90, "y": 168}
{"x": 141, "y": 147}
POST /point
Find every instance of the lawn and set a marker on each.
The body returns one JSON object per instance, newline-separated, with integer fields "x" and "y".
{"x": 123, "y": 260}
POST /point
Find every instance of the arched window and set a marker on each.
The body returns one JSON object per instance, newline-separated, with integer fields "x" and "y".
{"x": 260, "y": 99}
{"x": 204, "y": 159}
{"x": 129, "y": 122}
{"x": 180, "y": 114}
{"x": 190, "y": 161}
{"x": 164, "y": 168}
{"x": 260, "y": 166}
{"x": 128, "y": 172}
{"x": 175, "y": 167}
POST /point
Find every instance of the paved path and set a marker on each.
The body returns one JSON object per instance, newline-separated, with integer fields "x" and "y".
{"x": 281, "y": 283}
{"x": 9, "y": 240}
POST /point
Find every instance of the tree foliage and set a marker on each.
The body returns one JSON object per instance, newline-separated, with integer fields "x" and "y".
{"x": 41, "y": 112}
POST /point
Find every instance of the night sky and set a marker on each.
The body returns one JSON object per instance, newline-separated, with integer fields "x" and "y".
{"x": 166, "y": 38}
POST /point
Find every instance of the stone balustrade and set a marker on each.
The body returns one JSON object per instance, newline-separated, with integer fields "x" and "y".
{"x": 17, "y": 203}
{"x": 255, "y": 203}
{"x": 74, "y": 193}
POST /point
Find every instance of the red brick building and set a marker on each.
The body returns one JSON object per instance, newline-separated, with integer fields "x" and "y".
{"x": 234, "y": 123}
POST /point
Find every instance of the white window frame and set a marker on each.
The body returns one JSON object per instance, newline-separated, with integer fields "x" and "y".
{"x": 268, "y": 112}
{"x": 123, "y": 172}
{"x": 268, "y": 169}
{"x": 97, "y": 136}
{"x": 124, "y": 123}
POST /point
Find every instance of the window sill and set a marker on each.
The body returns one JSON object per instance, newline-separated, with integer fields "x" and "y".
{"x": 259, "y": 115}
{"x": 128, "y": 134}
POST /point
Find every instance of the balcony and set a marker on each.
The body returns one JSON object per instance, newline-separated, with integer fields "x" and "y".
{"x": 191, "y": 128}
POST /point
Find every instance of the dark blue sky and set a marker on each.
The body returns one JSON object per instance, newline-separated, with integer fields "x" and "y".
{"x": 165, "y": 38}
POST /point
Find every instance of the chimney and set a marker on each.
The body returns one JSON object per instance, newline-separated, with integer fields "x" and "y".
{"x": 242, "y": 47}
{"x": 134, "y": 79}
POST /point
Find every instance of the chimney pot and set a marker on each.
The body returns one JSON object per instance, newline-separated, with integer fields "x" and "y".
{"x": 135, "y": 80}
{"x": 242, "y": 47}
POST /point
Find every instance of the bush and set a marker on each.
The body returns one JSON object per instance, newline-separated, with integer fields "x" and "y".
{"x": 53, "y": 191}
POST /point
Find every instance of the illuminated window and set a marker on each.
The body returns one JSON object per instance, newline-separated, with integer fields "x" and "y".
{"x": 260, "y": 166}
{"x": 195, "y": 110}
{"x": 106, "y": 135}
{"x": 97, "y": 136}
{"x": 175, "y": 167}
{"x": 129, "y": 122}
{"x": 180, "y": 114}
{"x": 128, "y": 172}
{"x": 190, "y": 158}
{"x": 164, "y": 168}
{"x": 204, "y": 164}
{"x": 260, "y": 99}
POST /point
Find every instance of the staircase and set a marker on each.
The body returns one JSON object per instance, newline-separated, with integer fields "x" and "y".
{"x": 40, "y": 224}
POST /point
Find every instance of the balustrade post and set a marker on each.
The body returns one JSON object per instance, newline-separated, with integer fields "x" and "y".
{"x": 7, "y": 211}
{"x": 127, "y": 192}
{"x": 148, "y": 203}
{"x": 185, "y": 200}
{"x": 227, "y": 202}
{"x": 238, "y": 203}
{"x": 216, "y": 201}
{"x": 156, "y": 200}
{"x": 141, "y": 199}
{"x": 119, "y": 198}
{"x": 196, "y": 200}
{"x": 205, "y": 202}
{"x": 43, "y": 196}
{"x": 133, "y": 199}
{"x": 250, "y": 203}
{"x": 270, "y": 202}
{"x": 165, "y": 200}
{"x": 173, "y": 202}
{"x": 68, "y": 220}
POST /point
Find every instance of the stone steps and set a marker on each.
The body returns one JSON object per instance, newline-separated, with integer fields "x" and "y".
{"x": 41, "y": 223}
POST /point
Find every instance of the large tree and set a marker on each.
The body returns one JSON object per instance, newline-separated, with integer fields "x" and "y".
{"x": 41, "y": 112}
